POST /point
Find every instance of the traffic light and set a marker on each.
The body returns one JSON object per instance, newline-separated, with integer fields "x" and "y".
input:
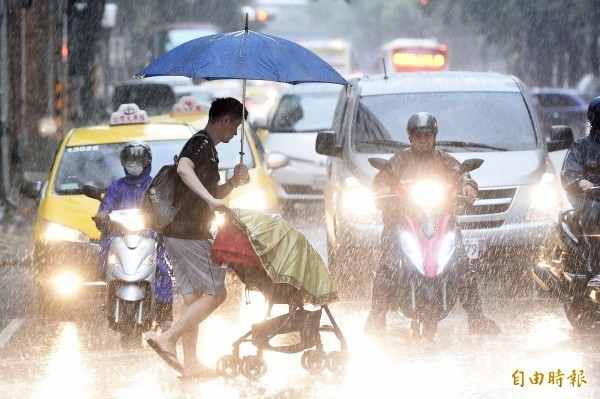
{"x": 58, "y": 103}
{"x": 62, "y": 99}
{"x": 262, "y": 18}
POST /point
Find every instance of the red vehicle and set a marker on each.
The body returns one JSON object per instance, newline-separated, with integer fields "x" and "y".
{"x": 415, "y": 55}
{"x": 425, "y": 245}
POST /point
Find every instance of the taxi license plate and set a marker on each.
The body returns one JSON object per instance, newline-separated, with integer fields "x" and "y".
{"x": 472, "y": 248}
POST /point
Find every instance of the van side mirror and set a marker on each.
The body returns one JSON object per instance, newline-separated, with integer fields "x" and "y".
{"x": 561, "y": 138}
{"x": 470, "y": 164}
{"x": 326, "y": 145}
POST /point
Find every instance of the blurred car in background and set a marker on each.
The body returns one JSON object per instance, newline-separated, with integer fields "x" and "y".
{"x": 155, "y": 95}
{"x": 561, "y": 107}
{"x": 261, "y": 191}
{"x": 292, "y": 126}
{"x": 589, "y": 87}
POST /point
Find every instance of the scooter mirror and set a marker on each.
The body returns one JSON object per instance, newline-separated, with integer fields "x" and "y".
{"x": 380, "y": 164}
{"x": 92, "y": 192}
{"x": 470, "y": 164}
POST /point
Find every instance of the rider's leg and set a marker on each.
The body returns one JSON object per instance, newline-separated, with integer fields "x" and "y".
{"x": 590, "y": 221}
{"x": 384, "y": 292}
{"x": 468, "y": 292}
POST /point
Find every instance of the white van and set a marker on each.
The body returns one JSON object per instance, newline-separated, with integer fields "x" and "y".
{"x": 480, "y": 115}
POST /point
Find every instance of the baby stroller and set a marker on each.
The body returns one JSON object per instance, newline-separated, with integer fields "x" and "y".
{"x": 270, "y": 256}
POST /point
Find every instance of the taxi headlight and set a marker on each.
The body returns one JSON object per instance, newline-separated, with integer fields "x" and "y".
{"x": 67, "y": 283}
{"x": 52, "y": 231}
{"x": 255, "y": 199}
{"x": 357, "y": 201}
{"x": 545, "y": 198}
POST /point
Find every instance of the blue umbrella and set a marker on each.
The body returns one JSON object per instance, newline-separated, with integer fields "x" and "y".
{"x": 244, "y": 55}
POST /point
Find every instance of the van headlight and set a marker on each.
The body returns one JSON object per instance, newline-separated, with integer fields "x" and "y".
{"x": 52, "y": 231}
{"x": 255, "y": 199}
{"x": 545, "y": 198}
{"x": 357, "y": 201}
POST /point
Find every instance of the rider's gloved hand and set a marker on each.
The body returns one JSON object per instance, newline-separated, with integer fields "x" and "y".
{"x": 585, "y": 184}
{"x": 470, "y": 193}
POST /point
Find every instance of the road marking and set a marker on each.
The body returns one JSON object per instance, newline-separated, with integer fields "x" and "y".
{"x": 10, "y": 329}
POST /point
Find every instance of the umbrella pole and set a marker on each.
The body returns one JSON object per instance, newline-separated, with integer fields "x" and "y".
{"x": 243, "y": 122}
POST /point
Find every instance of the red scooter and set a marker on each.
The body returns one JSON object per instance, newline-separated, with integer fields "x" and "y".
{"x": 424, "y": 245}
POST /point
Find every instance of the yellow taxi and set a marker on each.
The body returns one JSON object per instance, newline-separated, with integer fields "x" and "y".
{"x": 260, "y": 192}
{"x": 65, "y": 238}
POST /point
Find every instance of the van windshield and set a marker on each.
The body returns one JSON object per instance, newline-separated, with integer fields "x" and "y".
{"x": 468, "y": 121}
{"x": 99, "y": 165}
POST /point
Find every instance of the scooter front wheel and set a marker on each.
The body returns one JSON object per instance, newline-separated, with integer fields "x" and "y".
{"x": 579, "y": 314}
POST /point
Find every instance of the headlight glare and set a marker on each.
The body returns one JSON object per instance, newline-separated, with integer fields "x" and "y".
{"x": 413, "y": 251}
{"x": 52, "y": 231}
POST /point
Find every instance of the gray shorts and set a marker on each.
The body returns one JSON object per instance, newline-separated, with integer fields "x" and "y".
{"x": 193, "y": 269}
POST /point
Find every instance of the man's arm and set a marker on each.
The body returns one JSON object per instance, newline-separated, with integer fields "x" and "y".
{"x": 185, "y": 170}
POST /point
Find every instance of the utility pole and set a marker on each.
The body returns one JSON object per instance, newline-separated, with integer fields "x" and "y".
{"x": 4, "y": 99}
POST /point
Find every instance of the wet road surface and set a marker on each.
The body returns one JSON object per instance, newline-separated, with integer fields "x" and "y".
{"x": 537, "y": 355}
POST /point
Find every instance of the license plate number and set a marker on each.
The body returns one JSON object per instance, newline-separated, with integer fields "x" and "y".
{"x": 472, "y": 248}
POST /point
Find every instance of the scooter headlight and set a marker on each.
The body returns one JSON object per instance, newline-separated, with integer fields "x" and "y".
{"x": 427, "y": 194}
{"x": 447, "y": 248}
{"x": 413, "y": 251}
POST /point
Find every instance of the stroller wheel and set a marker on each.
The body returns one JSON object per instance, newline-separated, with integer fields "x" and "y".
{"x": 229, "y": 366}
{"x": 337, "y": 361}
{"x": 314, "y": 361}
{"x": 253, "y": 367}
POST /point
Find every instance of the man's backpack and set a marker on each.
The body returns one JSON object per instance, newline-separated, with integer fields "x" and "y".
{"x": 157, "y": 208}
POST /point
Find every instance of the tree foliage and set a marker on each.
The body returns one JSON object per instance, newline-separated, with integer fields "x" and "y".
{"x": 548, "y": 42}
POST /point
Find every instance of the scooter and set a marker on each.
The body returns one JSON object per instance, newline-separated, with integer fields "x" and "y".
{"x": 424, "y": 246}
{"x": 130, "y": 272}
{"x": 567, "y": 275}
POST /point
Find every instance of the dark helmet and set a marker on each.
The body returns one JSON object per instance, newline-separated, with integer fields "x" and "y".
{"x": 136, "y": 151}
{"x": 594, "y": 112}
{"x": 422, "y": 122}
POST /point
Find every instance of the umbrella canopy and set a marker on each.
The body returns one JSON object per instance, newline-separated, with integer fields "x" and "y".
{"x": 244, "y": 55}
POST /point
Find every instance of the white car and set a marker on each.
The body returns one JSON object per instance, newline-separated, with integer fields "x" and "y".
{"x": 302, "y": 111}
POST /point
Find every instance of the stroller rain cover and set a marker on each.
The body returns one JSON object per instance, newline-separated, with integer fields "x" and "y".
{"x": 286, "y": 255}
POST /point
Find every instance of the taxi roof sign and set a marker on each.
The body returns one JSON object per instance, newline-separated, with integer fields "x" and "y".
{"x": 128, "y": 114}
{"x": 188, "y": 105}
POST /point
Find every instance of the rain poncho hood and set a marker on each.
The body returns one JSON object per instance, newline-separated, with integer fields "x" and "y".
{"x": 287, "y": 256}
{"x": 127, "y": 192}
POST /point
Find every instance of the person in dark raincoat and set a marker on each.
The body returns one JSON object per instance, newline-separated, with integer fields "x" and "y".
{"x": 127, "y": 193}
{"x": 580, "y": 173}
{"x": 422, "y": 159}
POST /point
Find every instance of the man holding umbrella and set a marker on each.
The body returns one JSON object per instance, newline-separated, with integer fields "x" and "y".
{"x": 188, "y": 239}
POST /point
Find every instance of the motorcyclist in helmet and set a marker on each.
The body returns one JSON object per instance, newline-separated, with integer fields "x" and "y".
{"x": 125, "y": 193}
{"x": 422, "y": 159}
{"x": 580, "y": 173}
